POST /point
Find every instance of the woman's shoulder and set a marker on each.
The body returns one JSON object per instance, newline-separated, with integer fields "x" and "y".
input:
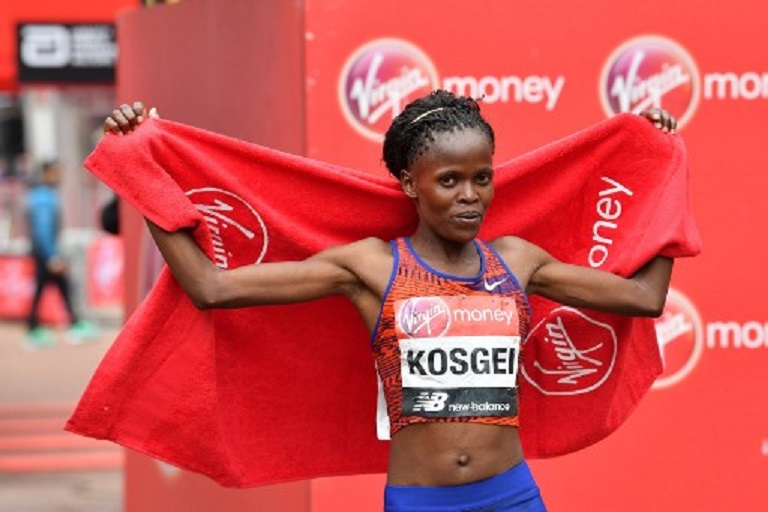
{"x": 361, "y": 250}
{"x": 372, "y": 244}
{"x": 519, "y": 254}
{"x": 508, "y": 243}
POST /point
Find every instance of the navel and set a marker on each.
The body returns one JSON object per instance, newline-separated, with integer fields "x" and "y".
{"x": 463, "y": 460}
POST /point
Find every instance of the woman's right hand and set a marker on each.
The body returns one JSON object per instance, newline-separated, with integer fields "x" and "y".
{"x": 126, "y": 118}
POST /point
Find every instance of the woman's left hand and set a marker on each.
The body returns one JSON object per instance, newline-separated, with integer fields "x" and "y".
{"x": 661, "y": 119}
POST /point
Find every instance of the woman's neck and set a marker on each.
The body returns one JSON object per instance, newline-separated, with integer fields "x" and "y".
{"x": 460, "y": 258}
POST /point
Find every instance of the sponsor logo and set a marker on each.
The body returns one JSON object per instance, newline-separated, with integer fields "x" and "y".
{"x": 480, "y": 408}
{"x": 609, "y": 210}
{"x": 459, "y": 401}
{"x": 683, "y": 337}
{"x": 424, "y": 317}
{"x": 679, "y": 334}
{"x": 432, "y": 317}
{"x": 731, "y": 86}
{"x": 430, "y": 402}
{"x": 60, "y": 46}
{"x": 232, "y": 222}
{"x": 384, "y": 75}
{"x": 647, "y": 72}
{"x": 379, "y": 79}
{"x": 492, "y": 286}
{"x": 483, "y": 315}
{"x": 654, "y": 71}
{"x": 730, "y": 334}
{"x": 573, "y": 353}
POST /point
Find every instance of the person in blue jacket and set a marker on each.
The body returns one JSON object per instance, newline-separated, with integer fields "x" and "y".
{"x": 44, "y": 215}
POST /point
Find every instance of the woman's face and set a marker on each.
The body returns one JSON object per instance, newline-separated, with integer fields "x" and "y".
{"x": 451, "y": 184}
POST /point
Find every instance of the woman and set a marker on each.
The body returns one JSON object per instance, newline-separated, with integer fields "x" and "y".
{"x": 449, "y": 377}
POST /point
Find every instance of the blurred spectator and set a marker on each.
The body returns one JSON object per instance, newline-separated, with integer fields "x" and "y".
{"x": 44, "y": 214}
{"x": 110, "y": 216}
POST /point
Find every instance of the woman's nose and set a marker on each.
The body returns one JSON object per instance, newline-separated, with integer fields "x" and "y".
{"x": 467, "y": 193}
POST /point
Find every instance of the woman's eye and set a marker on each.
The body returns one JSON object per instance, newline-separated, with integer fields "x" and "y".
{"x": 484, "y": 179}
{"x": 447, "y": 181}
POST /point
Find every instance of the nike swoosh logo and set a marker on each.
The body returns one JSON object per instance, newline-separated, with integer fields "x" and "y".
{"x": 492, "y": 286}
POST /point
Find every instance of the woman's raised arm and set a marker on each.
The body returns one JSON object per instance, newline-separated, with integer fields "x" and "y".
{"x": 324, "y": 274}
{"x": 642, "y": 294}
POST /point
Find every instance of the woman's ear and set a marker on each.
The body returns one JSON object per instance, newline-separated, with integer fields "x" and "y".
{"x": 406, "y": 181}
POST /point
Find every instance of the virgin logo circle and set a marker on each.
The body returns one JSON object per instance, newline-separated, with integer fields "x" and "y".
{"x": 236, "y": 228}
{"x": 679, "y": 334}
{"x": 569, "y": 353}
{"x": 379, "y": 79}
{"x": 648, "y": 72}
{"x": 424, "y": 317}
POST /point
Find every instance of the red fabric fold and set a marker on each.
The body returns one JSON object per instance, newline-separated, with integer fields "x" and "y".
{"x": 279, "y": 393}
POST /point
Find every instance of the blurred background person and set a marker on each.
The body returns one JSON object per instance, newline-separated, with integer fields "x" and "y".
{"x": 44, "y": 215}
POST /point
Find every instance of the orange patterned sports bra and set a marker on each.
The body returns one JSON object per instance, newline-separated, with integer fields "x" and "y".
{"x": 447, "y": 347}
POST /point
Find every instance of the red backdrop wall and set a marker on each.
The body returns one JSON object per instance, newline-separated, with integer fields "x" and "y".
{"x": 207, "y": 63}
{"x": 323, "y": 77}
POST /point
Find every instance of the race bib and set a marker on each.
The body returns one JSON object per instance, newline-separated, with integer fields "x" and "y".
{"x": 459, "y": 355}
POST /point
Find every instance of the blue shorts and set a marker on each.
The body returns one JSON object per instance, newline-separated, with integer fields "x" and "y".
{"x": 512, "y": 491}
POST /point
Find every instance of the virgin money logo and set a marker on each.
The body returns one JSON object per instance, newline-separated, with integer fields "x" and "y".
{"x": 648, "y": 72}
{"x": 424, "y": 317}
{"x": 236, "y": 228}
{"x": 572, "y": 353}
{"x": 379, "y": 79}
{"x": 680, "y": 338}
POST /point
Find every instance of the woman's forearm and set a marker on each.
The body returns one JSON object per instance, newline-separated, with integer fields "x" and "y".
{"x": 653, "y": 278}
{"x": 189, "y": 265}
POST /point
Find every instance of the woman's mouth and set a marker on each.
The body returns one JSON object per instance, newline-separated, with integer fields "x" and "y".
{"x": 469, "y": 218}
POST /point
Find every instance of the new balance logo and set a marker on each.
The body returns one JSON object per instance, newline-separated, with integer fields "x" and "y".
{"x": 430, "y": 402}
{"x": 492, "y": 286}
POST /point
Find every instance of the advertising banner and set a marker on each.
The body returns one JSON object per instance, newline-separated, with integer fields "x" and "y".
{"x": 17, "y": 288}
{"x": 104, "y": 267}
{"x": 66, "y": 52}
{"x": 699, "y": 440}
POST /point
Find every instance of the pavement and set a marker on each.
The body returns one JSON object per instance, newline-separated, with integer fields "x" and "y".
{"x": 43, "y": 468}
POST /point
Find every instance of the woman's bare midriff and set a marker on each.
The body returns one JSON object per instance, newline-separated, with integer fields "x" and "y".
{"x": 437, "y": 454}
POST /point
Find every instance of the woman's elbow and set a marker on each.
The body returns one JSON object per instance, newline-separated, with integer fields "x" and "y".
{"x": 205, "y": 294}
{"x": 652, "y": 306}
{"x": 654, "y": 311}
{"x": 202, "y": 303}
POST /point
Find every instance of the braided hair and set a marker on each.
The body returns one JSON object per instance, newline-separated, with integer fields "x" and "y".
{"x": 412, "y": 131}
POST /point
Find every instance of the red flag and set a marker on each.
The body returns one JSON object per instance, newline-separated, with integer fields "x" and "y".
{"x": 278, "y": 393}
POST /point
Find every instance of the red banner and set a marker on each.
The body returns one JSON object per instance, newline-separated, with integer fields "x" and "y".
{"x": 699, "y": 441}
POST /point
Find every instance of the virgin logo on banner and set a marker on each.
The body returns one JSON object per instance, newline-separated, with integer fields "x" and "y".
{"x": 379, "y": 80}
{"x": 680, "y": 338}
{"x": 655, "y": 71}
{"x": 684, "y": 337}
{"x": 650, "y": 72}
